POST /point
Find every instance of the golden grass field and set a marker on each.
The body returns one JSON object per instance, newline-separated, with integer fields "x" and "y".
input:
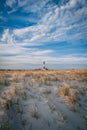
{"x": 43, "y": 99}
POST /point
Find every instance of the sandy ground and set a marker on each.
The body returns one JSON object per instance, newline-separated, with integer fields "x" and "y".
{"x": 43, "y": 100}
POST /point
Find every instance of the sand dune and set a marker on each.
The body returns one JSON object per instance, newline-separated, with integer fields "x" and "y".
{"x": 43, "y": 100}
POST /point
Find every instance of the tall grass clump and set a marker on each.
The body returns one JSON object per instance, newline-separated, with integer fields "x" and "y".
{"x": 4, "y": 81}
{"x": 8, "y": 104}
{"x": 64, "y": 91}
{"x": 34, "y": 111}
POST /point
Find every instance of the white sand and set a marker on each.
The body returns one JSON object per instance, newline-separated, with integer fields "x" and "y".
{"x": 34, "y": 102}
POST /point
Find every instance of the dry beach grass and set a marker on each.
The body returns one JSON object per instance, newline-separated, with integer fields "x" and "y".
{"x": 43, "y": 100}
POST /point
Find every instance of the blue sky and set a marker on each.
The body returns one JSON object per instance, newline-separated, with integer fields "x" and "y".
{"x": 33, "y": 31}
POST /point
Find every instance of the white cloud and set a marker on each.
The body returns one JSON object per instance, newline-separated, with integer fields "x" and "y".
{"x": 38, "y": 60}
{"x": 35, "y": 35}
{"x": 10, "y": 49}
{"x": 10, "y": 3}
{"x": 33, "y": 29}
{"x": 54, "y": 25}
{"x": 22, "y": 3}
{"x": 26, "y": 5}
{"x": 35, "y": 6}
{"x": 20, "y": 32}
{"x": 42, "y": 52}
{"x": 12, "y": 11}
{"x": 7, "y": 37}
{"x": 18, "y": 50}
{"x": 73, "y": 4}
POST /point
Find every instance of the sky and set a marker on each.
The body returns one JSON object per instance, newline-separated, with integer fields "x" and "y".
{"x": 33, "y": 31}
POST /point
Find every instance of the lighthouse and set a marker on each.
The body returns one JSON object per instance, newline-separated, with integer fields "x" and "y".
{"x": 44, "y": 65}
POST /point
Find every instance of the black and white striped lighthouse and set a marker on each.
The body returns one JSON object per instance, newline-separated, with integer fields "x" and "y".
{"x": 44, "y": 65}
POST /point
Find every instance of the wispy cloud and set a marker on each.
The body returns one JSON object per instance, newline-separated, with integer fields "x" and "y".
{"x": 10, "y": 3}
{"x": 38, "y": 60}
{"x": 7, "y": 38}
{"x": 55, "y": 25}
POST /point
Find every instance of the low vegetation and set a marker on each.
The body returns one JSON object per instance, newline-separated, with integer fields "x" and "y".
{"x": 43, "y": 99}
{"x": 34, "y": 111}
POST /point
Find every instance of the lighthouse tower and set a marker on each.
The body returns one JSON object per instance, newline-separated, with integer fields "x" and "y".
{"x": 44, "y": 65}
